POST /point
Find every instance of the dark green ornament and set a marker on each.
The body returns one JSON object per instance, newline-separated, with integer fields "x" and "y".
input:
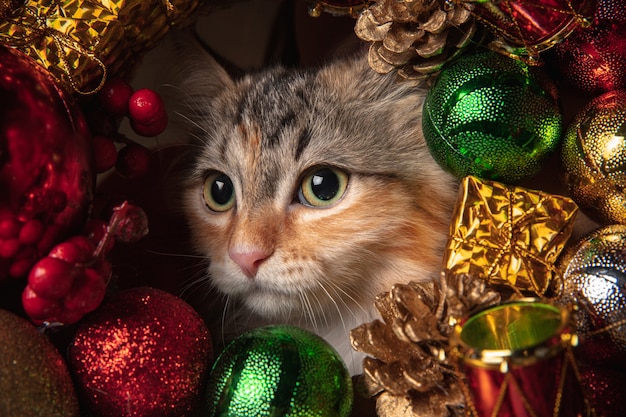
{"x": 277, "y": 371}
{"x": 492, "y": 117}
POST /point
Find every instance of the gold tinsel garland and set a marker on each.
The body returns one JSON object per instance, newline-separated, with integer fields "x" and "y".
{"x": 410, "y": 368}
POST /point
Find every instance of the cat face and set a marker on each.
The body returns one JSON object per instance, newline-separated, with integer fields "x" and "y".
{"x": 313, "y": 191}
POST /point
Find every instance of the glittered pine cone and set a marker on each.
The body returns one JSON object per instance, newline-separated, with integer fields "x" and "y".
{"x": 409, "y": 369}
{"x": 416, "y": 37}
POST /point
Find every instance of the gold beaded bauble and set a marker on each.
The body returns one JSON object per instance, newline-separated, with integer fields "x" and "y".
{"x": 594, "y": 157}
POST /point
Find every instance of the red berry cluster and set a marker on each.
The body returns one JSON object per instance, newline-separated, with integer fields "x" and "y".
{"x": 67, "y": 284}
{"x": 72, "y": 280}
{"x": 21, "y": 242}
{"x": 148, "y": 118}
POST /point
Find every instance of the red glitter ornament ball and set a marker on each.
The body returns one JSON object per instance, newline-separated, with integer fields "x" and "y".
{"x": 144, "y": 352}
{"x": 46, "y": 174}
{"x": 592, "y": 59}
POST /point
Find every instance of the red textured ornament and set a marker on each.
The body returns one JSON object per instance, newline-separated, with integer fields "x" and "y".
{"x": 528, "y": 27}
{"x": 144, "y": 352}
{"x": 592, "y": 59}
{"x": 46, "y": 176}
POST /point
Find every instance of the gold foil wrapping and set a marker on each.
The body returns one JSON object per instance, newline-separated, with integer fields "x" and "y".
{"x": 82, "y": 42}
{"x": 509, "y": 236}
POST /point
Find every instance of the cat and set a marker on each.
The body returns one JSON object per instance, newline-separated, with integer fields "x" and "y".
{"x": 311, "y": 191}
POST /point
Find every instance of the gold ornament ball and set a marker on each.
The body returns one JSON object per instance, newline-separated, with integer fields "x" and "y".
{"x": 594, "y": 157}
{"x": 34, "y": 380}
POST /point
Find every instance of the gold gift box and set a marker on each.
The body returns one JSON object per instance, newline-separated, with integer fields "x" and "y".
{"x": 507, "y": 235}
{"x": 82, "y": 42}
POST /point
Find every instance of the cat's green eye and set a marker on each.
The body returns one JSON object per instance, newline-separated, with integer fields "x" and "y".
{"x": 322, "y": 187}
{"x": 218, "y": 192}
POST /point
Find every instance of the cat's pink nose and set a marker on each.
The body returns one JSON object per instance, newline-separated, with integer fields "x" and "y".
{"x": 249, "y": 260}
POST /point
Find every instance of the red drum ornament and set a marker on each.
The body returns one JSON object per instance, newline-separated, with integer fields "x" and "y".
{"x": 518, "y": 361}
{"x": 593, "y": 59}
{"x": 46, "y": 176}
{"x": 524, "y": 28}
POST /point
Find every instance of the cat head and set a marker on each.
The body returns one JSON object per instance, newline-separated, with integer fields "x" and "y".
{"x": 312, "y": 191}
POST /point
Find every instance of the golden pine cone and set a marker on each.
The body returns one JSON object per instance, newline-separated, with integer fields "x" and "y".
{"x": 410, "y": 370}
{"x": 416, "y": 37}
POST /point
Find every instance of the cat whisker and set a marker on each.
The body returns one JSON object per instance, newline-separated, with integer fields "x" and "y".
{"x": 337, "y": 288}
{"x": 321, "y": 309}
{"x": 332, "y": 299}
{"x": 308, "y": 310}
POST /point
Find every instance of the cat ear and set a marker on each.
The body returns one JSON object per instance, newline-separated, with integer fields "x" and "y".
{"x": 198, "y": 72}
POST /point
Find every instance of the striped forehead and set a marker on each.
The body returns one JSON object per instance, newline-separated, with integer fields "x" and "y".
{"x": 269, "y": 134}
{"x": 275, "y": 104}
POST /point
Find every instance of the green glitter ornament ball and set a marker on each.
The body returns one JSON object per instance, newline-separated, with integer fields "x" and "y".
{"x": 493, "y": 117}
{"x": 278, "y": 371}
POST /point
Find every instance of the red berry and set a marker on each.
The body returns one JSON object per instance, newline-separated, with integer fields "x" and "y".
{"x": 149, "y": 130}
{"x": 9, "y": 247}
{"x": 146, "y": 107}
{"x": 31, "y": 232}
{"x": 75, "y": 250}
{"x": 105, "y": 153}
{"x": 39, "y": 309}
{"x": 9, "y": 227}
{"x": 115, "y": 96}
{"x": 133, "y": 160}
{"x": 23, "y": 262}
{"x": 87, "y": 294}
{"x": 52, "y": 278}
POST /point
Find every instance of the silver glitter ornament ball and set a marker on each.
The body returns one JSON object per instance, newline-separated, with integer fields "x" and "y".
{"x": 594, "y": 277}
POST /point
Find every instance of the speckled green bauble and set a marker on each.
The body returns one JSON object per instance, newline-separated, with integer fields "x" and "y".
{"x": 278, "y": 371}
{"x": 492, "y": 117}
